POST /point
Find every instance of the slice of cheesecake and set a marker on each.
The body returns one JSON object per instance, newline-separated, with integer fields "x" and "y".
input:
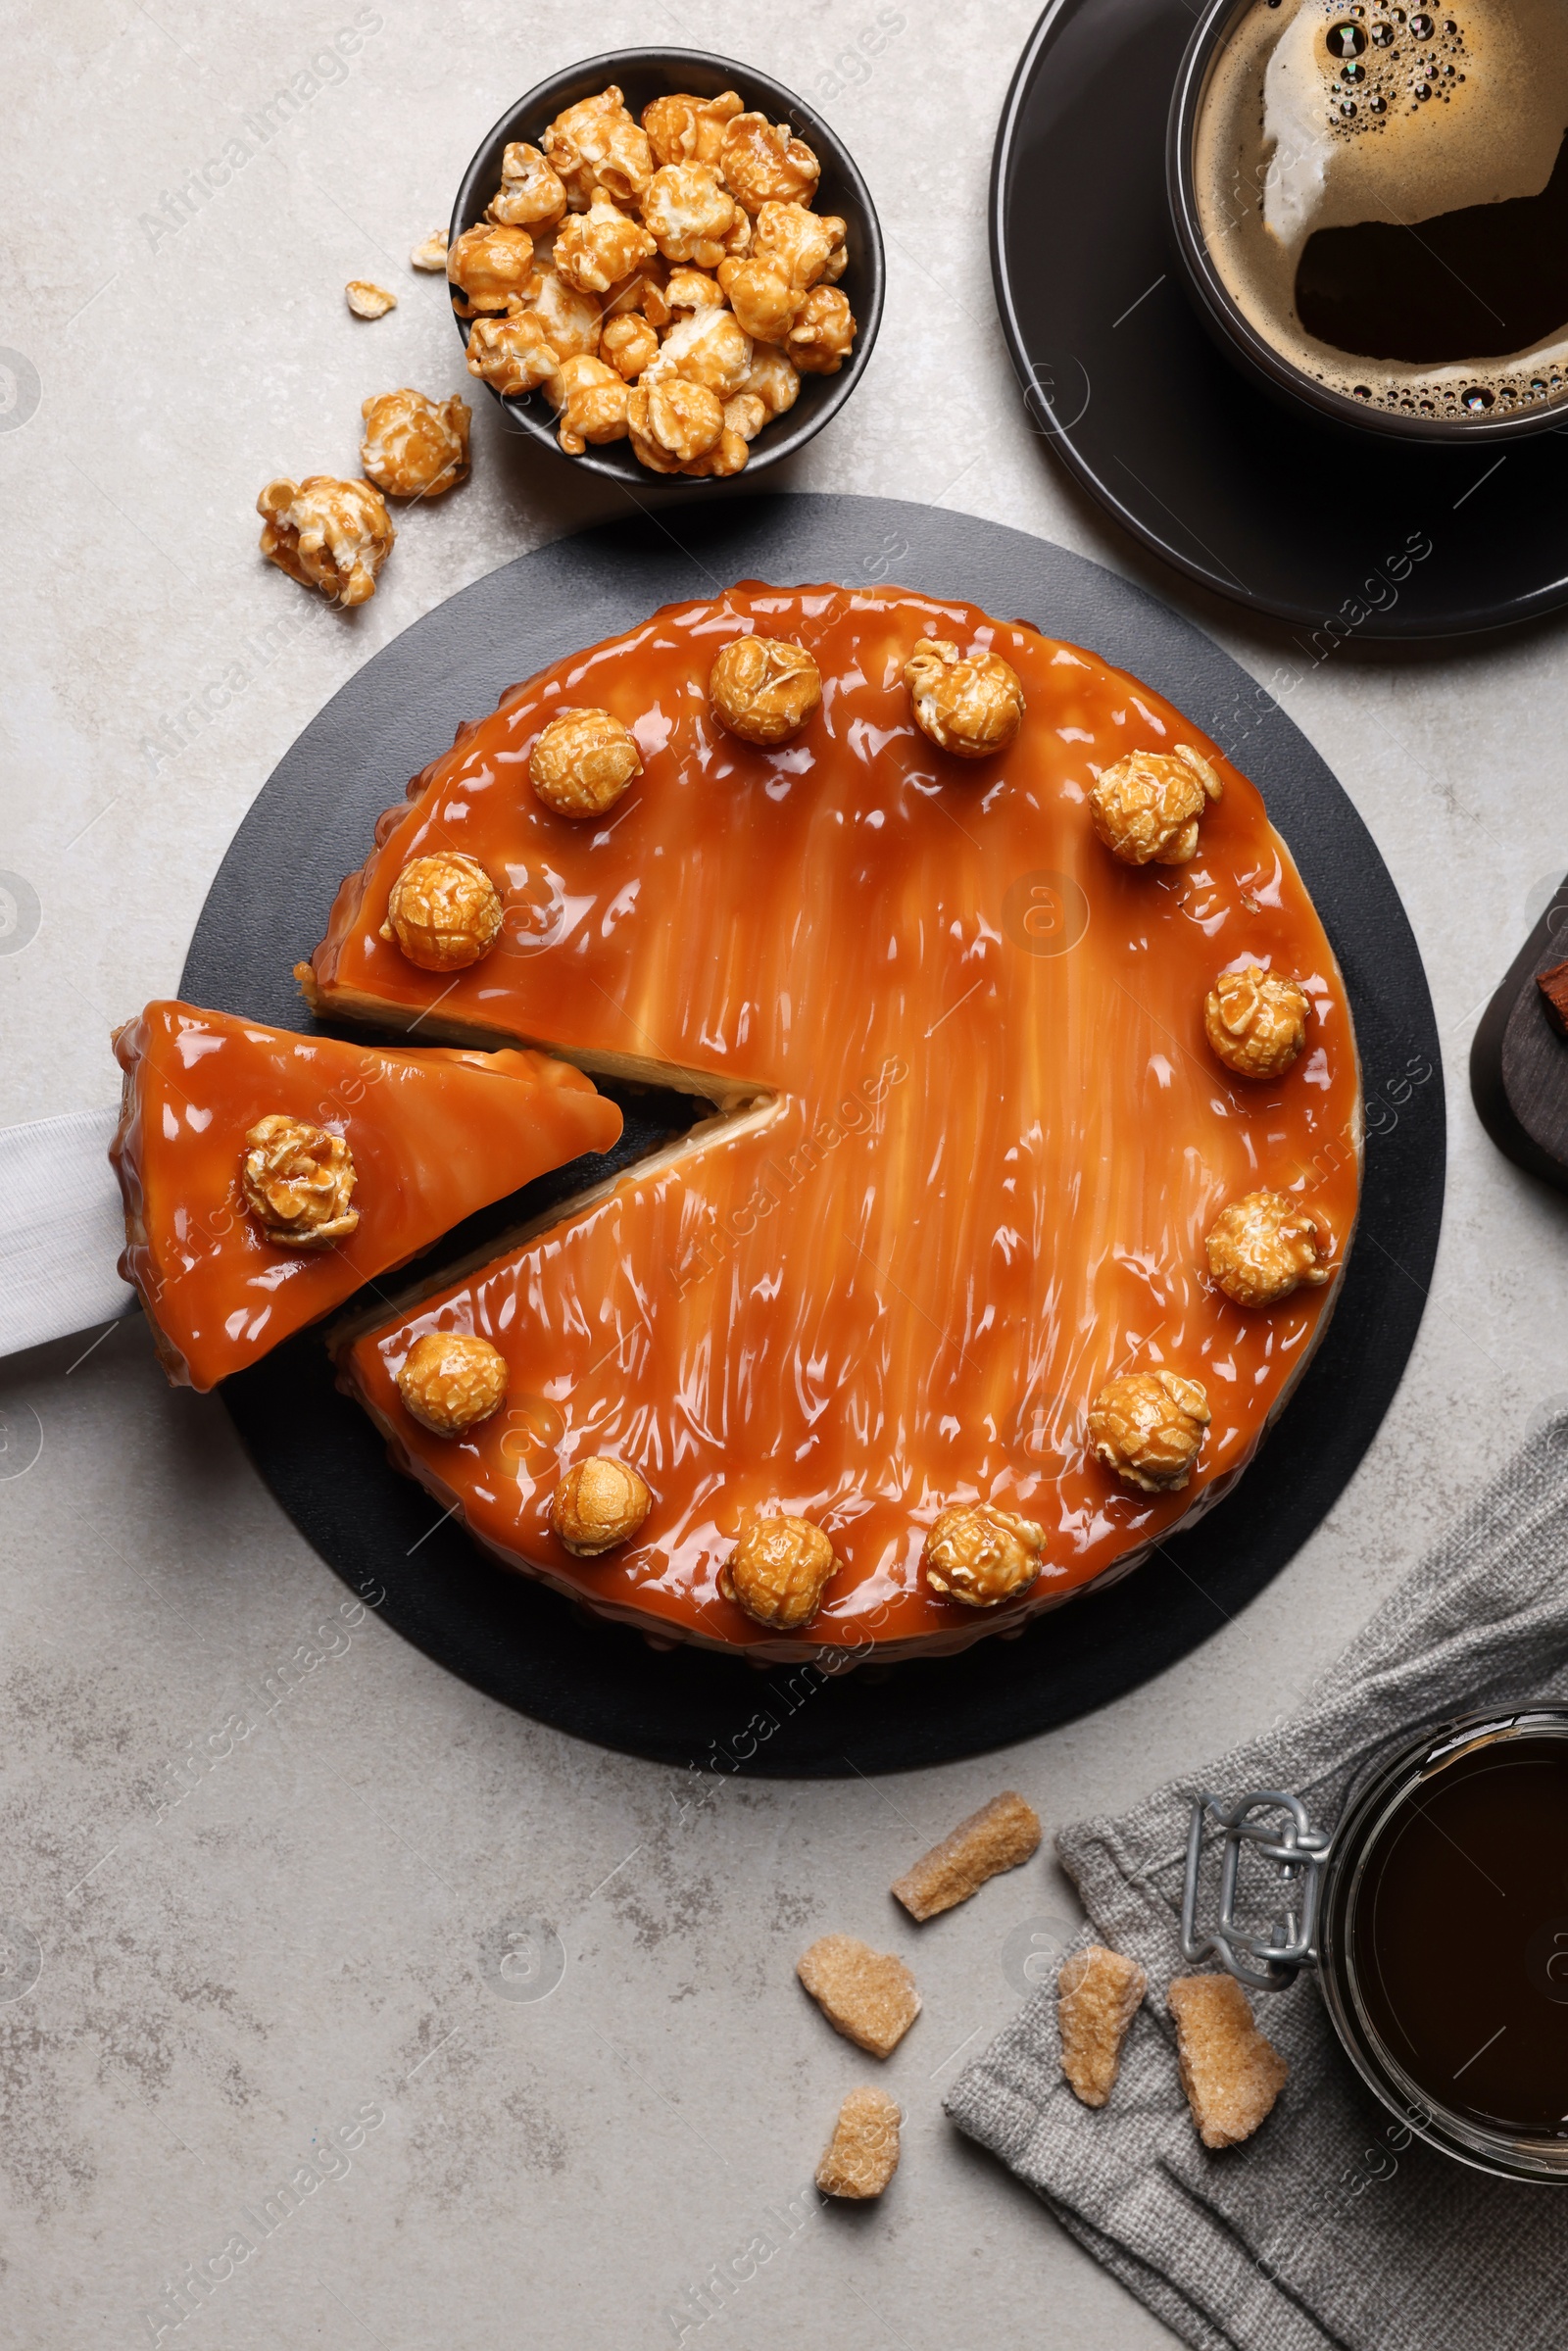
{"x": 269, "y": 1176}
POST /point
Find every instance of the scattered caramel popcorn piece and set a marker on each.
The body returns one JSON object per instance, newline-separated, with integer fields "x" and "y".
{"x": 444, "y": 911}
{"x": 981, "y": 1555}
{"x": 597, "y": 140}
{"x": 1147, "y": 1426}
{"x": 1255, "y": 1020}
{"x": 589, "y": 397}
{"x": 597, "y": 248}
{"x": 630, "y": 345}
{"x": 431, "y": 253}
{"x": 761, "y": 294}
{"x": 774, "y": 379}
{"x": 763, "y": 689}
{"x": 328, "y": 534}
{"x": 998, "y": 1837}
{"x": 1146, "y": 806}
{"x": 415, "y": 447}
{"x": 1263, "y": 1246}
{"x": 671, "y": 422}
{"x": 571, "y": 320}
{"x": 708, "y": 348}
{"x": 971, "y": 706}
{"x": 1231, "y": 2072}
{"x": 823, "y": 333}
{"x": 512, "y": 354}
{"x": 582, "y": 762}
{"x": 862, "y": 2155}
{"x": 298, "y": 1180}
{"x": 369, "y": 301}
{"x": 597, "y": 1504}
{"x": 690, "y": 214}
{"x": 491, "y": 267}
{"x": 1099, "y": 1993}
{"x": 778, "y": 1571}
{"x": 867, "y": 1995}
{"x": 807, "y": 245}
{"x": 450, "y": 1381}
{"x": 530, "y": 194}
{"x": 763, "y": 161}
{"x": 683, "y": 129}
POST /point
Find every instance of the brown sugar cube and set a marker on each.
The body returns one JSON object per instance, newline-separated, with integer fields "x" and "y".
{"x": 997, "y": 1836}
{"x": 1099, "y": 1992}
{"x": 862, "y": 2155}
{"x": 1553, "y": 986}
{"x": 1231, "y": 2073}
{"x": 867, "y": 1995}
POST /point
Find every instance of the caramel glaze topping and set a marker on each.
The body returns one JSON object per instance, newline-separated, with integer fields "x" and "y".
{"x": 991, "y": 1137}
{"x": 433, "y": 1136}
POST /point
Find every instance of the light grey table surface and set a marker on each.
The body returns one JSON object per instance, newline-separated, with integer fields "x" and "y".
{"x": 263, "y": 1894}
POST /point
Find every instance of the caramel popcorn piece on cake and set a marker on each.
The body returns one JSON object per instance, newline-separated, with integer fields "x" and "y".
{"x": 444, "y": 911}
{"x": 328, "y": 534}
{"x": 1146, "y": 806}
{"x": 981, "y": 1555}
{"x": 582, "y": 762}
{"x": 862, "y": 2155}
{"x": 763, "y": 689}
{"x": 1147, "y": 1426}
{"x": 867, "y": 1995}
{"x": 597, "y": 1504}
{"x": 368, "y": 300}
{"x": 450, "y": 1381}
{"x": 1099, "y": 1992}
{"x": 971, "y": 705}
{"x": 1255, "y": 1022}
{"x": 1231, "y": 2072}
{"x": 998, "y": 1837}
{"x": 778, "y": 1571}
{"x": 298, "y": 1180}
{"x": 415, "y": 447}
{"x": 1265, "y": 1245}
{"x": 530, "y": 194}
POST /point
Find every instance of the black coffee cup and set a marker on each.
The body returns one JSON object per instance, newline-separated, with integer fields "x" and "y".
{"x": 1489, "y": 399}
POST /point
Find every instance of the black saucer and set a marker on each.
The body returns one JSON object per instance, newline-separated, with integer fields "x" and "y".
{"x": 321, "y": 1456}
{"x": 1351, "y": 536}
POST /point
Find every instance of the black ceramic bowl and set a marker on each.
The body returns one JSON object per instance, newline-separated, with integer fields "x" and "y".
{"x": 642, "y": 75}
{"x": 1234, "y": 333}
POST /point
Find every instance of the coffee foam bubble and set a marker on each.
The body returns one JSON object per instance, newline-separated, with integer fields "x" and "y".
{"x": 1436, "y": 113}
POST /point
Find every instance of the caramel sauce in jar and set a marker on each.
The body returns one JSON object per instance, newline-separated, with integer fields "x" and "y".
{"x": 974, "y": 1133}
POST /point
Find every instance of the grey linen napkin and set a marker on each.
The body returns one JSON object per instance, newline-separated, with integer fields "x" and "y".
{"x": 1332, "y": 2226}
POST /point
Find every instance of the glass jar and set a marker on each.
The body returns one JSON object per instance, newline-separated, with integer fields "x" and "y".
{"x": 1436, "y": 1914}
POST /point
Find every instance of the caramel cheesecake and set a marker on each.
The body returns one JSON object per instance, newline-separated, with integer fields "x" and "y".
{"x": 1035, "y": 1154}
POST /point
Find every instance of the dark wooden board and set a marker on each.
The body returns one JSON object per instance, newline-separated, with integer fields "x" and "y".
{"x": 1519, "y": 1063}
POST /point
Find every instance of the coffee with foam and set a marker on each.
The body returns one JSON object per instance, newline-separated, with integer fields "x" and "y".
{"x": 1384, "y": 193}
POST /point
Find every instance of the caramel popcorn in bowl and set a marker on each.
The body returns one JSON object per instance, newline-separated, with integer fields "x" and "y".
{"x": 689, "y": 130}
{"x": 590, "y": 402}
{"x": 513, "y": 353}
{"x": 530, "y": 194}
{"x": 596, "y": 141}
{"x": 415, "y": 447}
{"x": 328, "y": 534}
{"x": 763, "y": 163}
{"x": 491, "y": 267}
{"x": 594, "y": 250}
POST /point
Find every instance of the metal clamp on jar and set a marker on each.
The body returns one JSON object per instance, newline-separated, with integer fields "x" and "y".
{"x": 1436, "y": 1914}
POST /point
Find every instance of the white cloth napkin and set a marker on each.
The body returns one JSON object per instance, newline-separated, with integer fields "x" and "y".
{"x": 62, "y": 1228}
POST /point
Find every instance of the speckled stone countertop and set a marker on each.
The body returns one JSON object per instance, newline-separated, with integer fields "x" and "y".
{"x": 262, "y": 1854}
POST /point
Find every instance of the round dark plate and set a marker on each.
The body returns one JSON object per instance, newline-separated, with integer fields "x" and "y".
{"x": 642, "y": 75}
{"x": 1351, "y": 535}
{"x": 526, "y": 1646}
